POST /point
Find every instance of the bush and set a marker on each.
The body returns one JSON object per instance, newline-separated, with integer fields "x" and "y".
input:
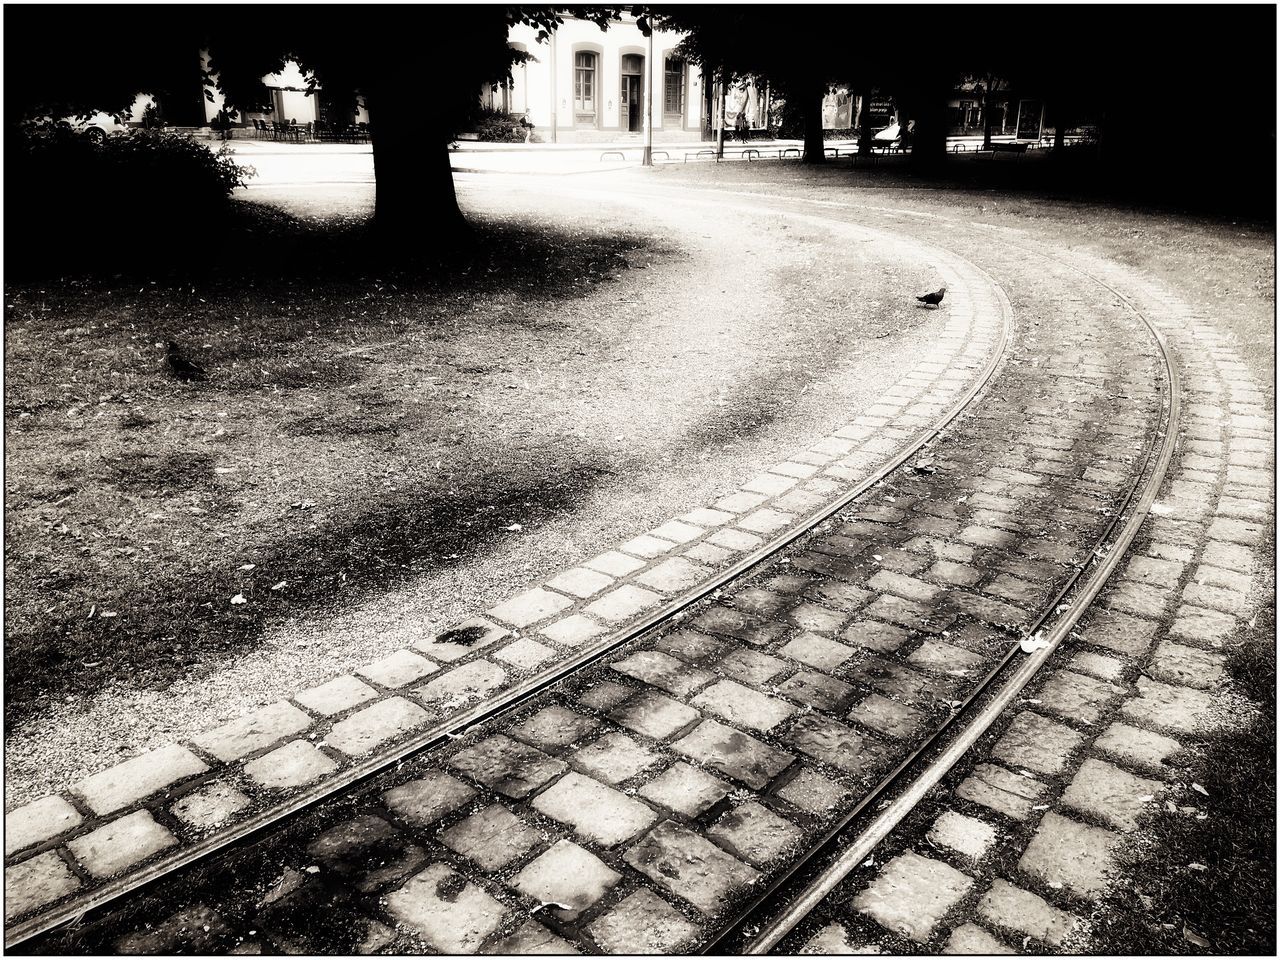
{"x": 75, "y": 204}
{"x": 495, "y": 126}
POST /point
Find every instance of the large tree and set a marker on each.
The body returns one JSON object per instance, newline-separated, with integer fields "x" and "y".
{"x": 418, "y": 69}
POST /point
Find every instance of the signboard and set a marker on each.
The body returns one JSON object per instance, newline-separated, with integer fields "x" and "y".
{"x": 1030, "y": 119}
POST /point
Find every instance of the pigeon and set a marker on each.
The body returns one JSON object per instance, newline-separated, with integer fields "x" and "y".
{"x": 182, "y": 368}
{"x": 934, "y": 298}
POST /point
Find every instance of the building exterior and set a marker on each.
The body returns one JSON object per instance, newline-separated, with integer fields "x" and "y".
{"x": 585, "y": 84}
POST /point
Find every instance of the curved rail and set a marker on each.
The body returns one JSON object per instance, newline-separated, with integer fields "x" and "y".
{"x": 1085, "y": 589}
{"x": 258, "y": 824}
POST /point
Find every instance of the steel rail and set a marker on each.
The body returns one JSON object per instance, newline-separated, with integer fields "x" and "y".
{"x": 253, "y": 827}
{"x": 816, "y": 890}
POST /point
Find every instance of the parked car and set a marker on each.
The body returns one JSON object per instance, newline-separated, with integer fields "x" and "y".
{"x": 95, "y": 127}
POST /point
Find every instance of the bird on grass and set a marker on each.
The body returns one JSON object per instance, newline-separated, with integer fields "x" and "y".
{"x": 180, "y": 366}
{"x": 935, "y": 298}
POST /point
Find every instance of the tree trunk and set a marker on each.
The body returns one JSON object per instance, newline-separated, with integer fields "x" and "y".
{"x": 988, "y": 102}
{"x": 1059, "y": 133}
{"x": 929, "y": 141}
{"x": 415, "y": 206}
{"x": 811, "y": 110}
{"x": 864, "y": 122}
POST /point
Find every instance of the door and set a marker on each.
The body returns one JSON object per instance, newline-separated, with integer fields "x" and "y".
{"x": 632, "y": 94}
{"x": 635, "y": 116}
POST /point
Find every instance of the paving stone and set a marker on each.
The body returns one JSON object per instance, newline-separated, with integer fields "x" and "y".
{"x": 553, "y": 727}
{"x": 351, "y": 846}
{"x": 1126, "y": 635}
{"x": 733, "y": 753}
{"x": 1237, "y": 531}
{"x": 1019, "y": 591}
{"x": 126, "y": 783}
{"x": 426, "y": 800}
{"x": 647, "y": 546}
{"x": 453, "y": 688}
{"x": 120, "y": 844}
{"x": 995, "y": 612}
{"x": 888, "y": 716}
{"x": 210, "y": 806}
{"x": 877, "y": 636}
{"x": 837, "y": 744}
{"x": 741, "y": 502}
{"x": 40, "y": 820}
{"x": 1001, "y": 790}
{"x": 1165, "y": 707}
{"x": 623, "y": 603}
{"x": 35, "y": 883}
{"x": 569, "y": 875}
{"x": 685, "y": 789}
{"x": 1215, "y": 598}
{"x": 1153, "y": 570}
{"x": 842, "y": 596}
{"x": 663, "y": 671}
{"x": 1013, "y": 908}
{"x": 1077, "y": 697}
{"x": 572, "y": 631}
{"x": 887, "y": 581}
{"x": 398, "y": 669}
{"x": 902, "y": 683}
{"x": 1206, "y": 628}
{"x": 752, "y": 667}
{"x": 810, "y": 616}
{"x": 604, "y": 695}
{"x": 1231, "y": 556}
{"x": 947, "y": 570}
{"x": 259, "y": 729}
{"x": 678, "y": 532}
{"x": 467, "y": 637}
{"x": 614, "y": 758}
{"x": 673, "y": 574}
{"x": 754, "y": 833}
{"x": 492, "y": 837}
{"x": 766, "y": 520}
{"x": 643, "y": 923}
{"x": 697, "y": 648}
{"x": 690, "y": 867}
{"x": 818, "y": 690}
{"x": 192, "y": 930}
{"x": 1109, "y": 794}
{"x": 615, "y": 564}
{"x": 708, "y": 553}
{"x": 296, "y": 763}
{"x": 1141, "y": 748}
{"x": 654, "y": 715}
{"x": 531, "y": 938}
{"x": 1037, "y": 743}
{"x": 704, "y": 517}
{"x": 817, "y": 651}
{"x": 597, "y": 813}
{"x": 446, "y": 910}
{"x": 385, "y": 721}
{"x": 761, "y": 602}
{"x": 737, "y": 540}
{"x": 1096, "y": 665}
{"x": 580, "y": 582}
{"x": 1186, "y": 666}
{"x": 1073, "y": 854}
{"x": 722, "y": 620}
{"x": 941, "y": 657}
{"x": 336, "y": 696}
{"x": 833, "y": 941}
{"x": 968, "y": 836}
{"x": 905, "y": 613}
{"x": 770, "y": 484}
{"x": 743, "y": 706}
{"x": 530, "y": 607}
{"x": 524, "y": 654}
{"x": 969, "y": 939}
{"x": 507, "y": 766}
{"x": 912, "y": 894}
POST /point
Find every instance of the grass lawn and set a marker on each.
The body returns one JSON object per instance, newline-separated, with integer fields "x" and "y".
{"x": 139, "y": 508}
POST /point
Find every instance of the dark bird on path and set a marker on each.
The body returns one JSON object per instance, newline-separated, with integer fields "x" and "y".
{"x": 182, "y": 368}
{"x": 935, "y": 298}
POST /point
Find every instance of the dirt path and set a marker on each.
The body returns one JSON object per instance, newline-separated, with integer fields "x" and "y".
{"x": 584, "y": 420}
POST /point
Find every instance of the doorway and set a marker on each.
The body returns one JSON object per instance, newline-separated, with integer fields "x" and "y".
{"x": 632, "y": 96}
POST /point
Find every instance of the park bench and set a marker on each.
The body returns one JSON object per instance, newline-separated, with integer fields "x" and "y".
{"x": 1017, "y": 149}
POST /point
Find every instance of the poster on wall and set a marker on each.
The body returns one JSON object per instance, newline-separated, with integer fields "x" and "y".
{"x": 744, "y": 98}
{"x": 1030, "y": 119}
{"x": 837, "y": 110}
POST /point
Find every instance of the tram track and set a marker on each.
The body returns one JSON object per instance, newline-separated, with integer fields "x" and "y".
{"x": 754, "y": 913}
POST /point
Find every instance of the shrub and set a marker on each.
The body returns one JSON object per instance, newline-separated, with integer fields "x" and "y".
{"x": 495, "y": 126}
{"x": 75, "y": 204}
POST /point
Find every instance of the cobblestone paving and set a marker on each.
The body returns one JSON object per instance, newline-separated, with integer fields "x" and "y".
{"x": 1010, "y": 852}
{"x": 631, "y": 805}
{"x": 158, "y": 804}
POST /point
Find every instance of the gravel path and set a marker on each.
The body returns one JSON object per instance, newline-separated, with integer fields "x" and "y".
{"x": 752, "y": 336}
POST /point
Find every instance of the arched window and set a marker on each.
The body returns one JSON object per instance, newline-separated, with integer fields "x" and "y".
{"x": 673, "y": 87}
{"x": 584, "y": 82}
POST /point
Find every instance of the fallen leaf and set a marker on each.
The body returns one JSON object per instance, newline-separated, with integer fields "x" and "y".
{"x": 281, "y": 585}
{"x": 1198, "y": 867}
{"x": 248, "y": 566}
{"x": 238, "y": 599}
{"x": 514, "y": 528}
{"x": 1199, "y": 789}
{"x": 1033, "y": 643}
{"x": 1194, "y": 938}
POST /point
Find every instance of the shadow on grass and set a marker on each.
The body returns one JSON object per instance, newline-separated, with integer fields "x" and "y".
{"x": 174, "y": 625}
